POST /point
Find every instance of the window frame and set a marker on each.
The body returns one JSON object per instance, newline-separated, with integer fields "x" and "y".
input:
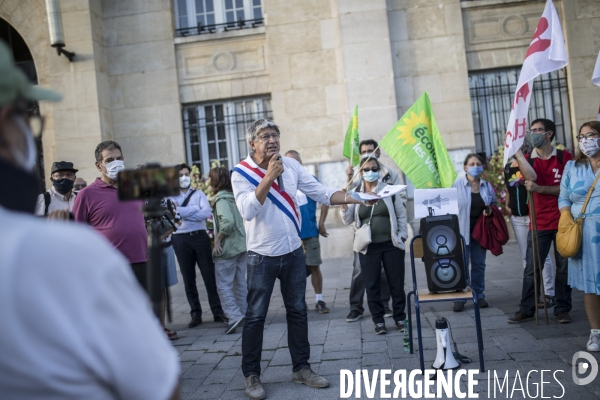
{"x": 219, "y": 12}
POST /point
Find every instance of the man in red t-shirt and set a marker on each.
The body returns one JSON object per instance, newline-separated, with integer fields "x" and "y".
{"x": 542, "y": 172}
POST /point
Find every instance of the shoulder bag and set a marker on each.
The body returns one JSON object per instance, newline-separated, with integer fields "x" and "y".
{"x": 362, "y": 236}
{"x": 570, "y": 232}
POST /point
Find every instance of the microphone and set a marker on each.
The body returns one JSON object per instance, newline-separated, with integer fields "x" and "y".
{"x": 280, "y": 183}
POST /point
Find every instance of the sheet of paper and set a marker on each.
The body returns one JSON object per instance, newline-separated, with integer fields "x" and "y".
{"x": 441, "y": 201}
{"x": 390, "y": 190}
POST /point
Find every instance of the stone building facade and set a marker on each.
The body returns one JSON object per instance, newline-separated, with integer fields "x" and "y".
{"x": 169, "y": 90}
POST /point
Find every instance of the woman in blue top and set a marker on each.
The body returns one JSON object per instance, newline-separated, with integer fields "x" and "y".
{"x": 584, "y": 268}
{"x": 475, "y": 196}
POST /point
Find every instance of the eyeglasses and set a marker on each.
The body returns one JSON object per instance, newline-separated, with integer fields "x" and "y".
{"x": 63, "y": 175}
{"x": 536, "y": 131}
{"x": 78, "y": 187}
{"x": 265, "y": 138}
{"x": 374, "y": 169}
{"x": 591, "y": 135}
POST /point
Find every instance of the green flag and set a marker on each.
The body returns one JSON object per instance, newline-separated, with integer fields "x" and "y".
{"x": 351, "y": 141}
{"x": 415, "y": 144}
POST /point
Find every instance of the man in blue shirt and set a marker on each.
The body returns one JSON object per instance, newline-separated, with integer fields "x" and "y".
{"x": 309, "y": 233}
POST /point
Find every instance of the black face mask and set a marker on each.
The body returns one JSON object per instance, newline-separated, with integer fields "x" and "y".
{"x": 24, "y": 188}
{"x": 63, "y": 186}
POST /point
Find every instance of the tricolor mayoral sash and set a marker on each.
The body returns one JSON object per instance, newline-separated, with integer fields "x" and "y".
{"x": 282, "y": 200}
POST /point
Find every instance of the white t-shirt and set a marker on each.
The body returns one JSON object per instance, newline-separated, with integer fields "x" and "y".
{"x": 75, "y": 324}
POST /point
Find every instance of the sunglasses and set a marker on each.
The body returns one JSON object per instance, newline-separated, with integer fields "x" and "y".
{"x": 374, "y": 169}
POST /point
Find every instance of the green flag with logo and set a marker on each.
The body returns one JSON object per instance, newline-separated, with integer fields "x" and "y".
{"x": 351, "y": 141}
{"x": 416, "y": 145}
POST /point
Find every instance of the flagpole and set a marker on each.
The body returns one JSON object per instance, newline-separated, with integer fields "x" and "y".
{"x": 358, "y": 171}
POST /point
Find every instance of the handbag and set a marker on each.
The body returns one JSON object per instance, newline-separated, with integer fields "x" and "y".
{"x": 362, "y": 236}
{"x": 570, "y": 232}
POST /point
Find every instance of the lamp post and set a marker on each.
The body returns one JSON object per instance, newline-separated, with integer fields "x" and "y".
{"x": 57, "y": 38}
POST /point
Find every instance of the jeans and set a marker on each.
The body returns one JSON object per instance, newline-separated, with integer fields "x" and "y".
{"x": 393, "y": 264}
{"x": 192, "y": 249}
{"x": 262, "y": 271}
{"x": 476, "y": 255}
{"x": 562, "y": 289}
{"x": 231, "y": 285}
{"x": 357, "y": 287}
{"x": 521, "y": 227}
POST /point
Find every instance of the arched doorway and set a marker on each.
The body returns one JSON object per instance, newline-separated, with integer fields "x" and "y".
{"x": 24, "y": 61}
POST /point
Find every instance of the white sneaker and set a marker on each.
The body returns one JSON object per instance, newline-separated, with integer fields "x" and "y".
{"x": 594, "y": 343}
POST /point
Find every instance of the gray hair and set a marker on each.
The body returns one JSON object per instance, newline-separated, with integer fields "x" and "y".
{"x": 257, "y": 126}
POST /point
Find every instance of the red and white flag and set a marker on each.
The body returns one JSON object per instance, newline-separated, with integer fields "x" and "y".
{"x": 596, "y": 78}
{"x": 546, "y": 53}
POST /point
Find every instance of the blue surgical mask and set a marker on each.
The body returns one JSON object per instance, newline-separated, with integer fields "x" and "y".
{"x": 475, "y": 172}
{"x": 372, "y": 155}
{"x": 370, "y": 176}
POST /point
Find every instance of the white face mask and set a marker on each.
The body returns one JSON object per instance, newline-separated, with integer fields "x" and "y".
{"x": 27, "y": 159}
{"x": 373, "y": 156}
{"x": 113, "y": 168}
{"x": 589, "y": 146}
{"x": 184, "y": 182}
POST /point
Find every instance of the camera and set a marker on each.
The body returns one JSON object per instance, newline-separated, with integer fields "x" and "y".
{"x": 149, "y": 182}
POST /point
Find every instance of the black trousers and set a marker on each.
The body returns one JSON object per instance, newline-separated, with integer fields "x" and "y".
{"x": 357, "y": 287}
{"x": 192, "y": 249}
{"x": 141, "y": 273}
{"x": 393, "y": 265}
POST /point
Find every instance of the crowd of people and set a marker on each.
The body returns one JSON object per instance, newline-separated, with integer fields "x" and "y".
{"x": 91, "y": 281}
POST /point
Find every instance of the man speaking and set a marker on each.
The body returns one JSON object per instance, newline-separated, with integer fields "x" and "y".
{"x": 272, "y": 223}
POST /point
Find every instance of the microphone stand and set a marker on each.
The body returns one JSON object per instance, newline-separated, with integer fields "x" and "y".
{"x": 153, "y": 212}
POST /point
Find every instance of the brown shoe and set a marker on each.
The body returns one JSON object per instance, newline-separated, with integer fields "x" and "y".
{"x": 564, "y": 317}
{"x": 255, "y": 389}
{"x": 520, "y": 317}
{"x": 309, "y": 378}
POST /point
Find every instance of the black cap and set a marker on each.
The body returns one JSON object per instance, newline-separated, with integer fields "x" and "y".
{"x": 63, "y": 166}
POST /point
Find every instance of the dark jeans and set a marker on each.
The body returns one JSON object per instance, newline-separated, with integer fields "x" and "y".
{"x": 261, "y": 275}
{"x": 357, "y": 287}
{"x": 192, "y": 249}
{"x": 393, "y": 265}
{"x": 562, "y": 291}
{"x": 475, "y": 257}
{"x": 141, "y": 273}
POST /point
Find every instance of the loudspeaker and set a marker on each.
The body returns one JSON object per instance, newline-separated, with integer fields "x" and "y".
{"x": 443, "y": 255}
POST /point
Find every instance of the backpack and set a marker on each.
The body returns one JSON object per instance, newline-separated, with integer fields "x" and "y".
{"x": 48, "y": 199}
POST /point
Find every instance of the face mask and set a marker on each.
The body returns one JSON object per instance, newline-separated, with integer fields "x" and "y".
{"x": 537, "y": 139}
{"x": 589, "y": 147}
{"x": 475, "y": 172}
{"x": 27, "y": 159}
{"x": 184, "y": 182}
{"x": 373, "y": 156}
{"x": 63, "y": 186}
{"x": 370, "y": 176}
{"x": 113, "y": 168}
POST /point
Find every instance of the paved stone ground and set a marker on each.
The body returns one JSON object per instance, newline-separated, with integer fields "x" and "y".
{"x": 210, "y": 360}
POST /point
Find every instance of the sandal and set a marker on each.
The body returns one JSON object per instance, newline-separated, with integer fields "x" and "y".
{"x": 550, "y": 302}
{"x": 171, "y": 335}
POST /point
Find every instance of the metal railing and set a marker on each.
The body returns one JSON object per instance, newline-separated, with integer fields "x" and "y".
{"x": 225, "y": 26}
{"x": 492, "y": 93}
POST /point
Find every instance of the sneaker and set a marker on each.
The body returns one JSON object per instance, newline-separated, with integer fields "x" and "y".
{"x": 321, "y": 307}
{"x": 195, "y": 322}
{"x": 564, "y": 317}
{"x": 221, "y": 318}
{"x": 232, "y": 327}
{"x": 400, "y": 325}
{"x": 380, "y": 329}
{"x": 353, "y": 316}
{"x": 482, "y": 303}
{"x": 388, "y": 313}
{"x": 255, "y": 389}
{"x": 458, "y": 306}
{"x": 520, "y": 317}
{"x": 309, "y": 378}
{"x": 594, "y": 343}
{"x": 550, "y": 302}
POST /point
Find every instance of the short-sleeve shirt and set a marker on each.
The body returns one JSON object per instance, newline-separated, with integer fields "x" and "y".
{"x": 308, "y": 213}
{"x": 76, "y": 323}
{"x": 549, "y": 173}
{"x": 121, "y": 222}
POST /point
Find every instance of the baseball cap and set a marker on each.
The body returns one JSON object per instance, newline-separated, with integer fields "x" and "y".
{"x": 62, "y": 166}
{"x": 14, "y": 84}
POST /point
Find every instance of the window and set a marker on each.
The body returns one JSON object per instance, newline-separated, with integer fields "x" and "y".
{"x": 216, "y": 132}
{"x": 492, "y": 93}
{"x": 196, "y": 17}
